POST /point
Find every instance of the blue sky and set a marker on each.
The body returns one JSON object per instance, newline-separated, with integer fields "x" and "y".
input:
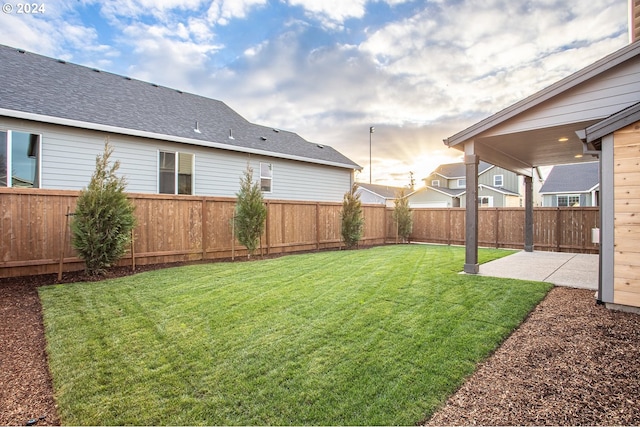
{"x": 419, "y": 71}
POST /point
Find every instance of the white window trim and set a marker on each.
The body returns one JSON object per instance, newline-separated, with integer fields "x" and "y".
{"x": 489, "y": 201}
{"x": 175, "y": 171}
{"x": 435, "y": 183}
{"x": 9, "y": 157}
{"x": 268, "y": 177}
{"x": 193, "y": 171}
{"x": 568, "y": 196}
{"x": 462, "y": 183}
{"x": 501, "y": 180}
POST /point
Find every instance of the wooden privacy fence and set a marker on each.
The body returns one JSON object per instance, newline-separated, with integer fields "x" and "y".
{"x": 34, "y": 232}
{"x": 554, "y": 229}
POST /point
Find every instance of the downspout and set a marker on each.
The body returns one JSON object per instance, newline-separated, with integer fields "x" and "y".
{"x": 587, "y": 149}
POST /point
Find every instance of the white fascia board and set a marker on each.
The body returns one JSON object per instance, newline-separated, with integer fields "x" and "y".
{"x": 428, "y": 187}
{"x": 151, "y": 135}
{"x": 498, "y": 190}
{"x": 568, "y": 192}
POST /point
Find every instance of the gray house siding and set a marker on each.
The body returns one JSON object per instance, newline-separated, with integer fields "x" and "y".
{"x": 428, "y": 198}
{"x": 510, "y": 179}
{"x": 68, "y": 161}
{"x": 369, "y": 198}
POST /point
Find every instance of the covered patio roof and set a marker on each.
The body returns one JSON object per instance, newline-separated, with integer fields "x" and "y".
{"x": 547, "y": 128}
{"x": 543, "y": 129}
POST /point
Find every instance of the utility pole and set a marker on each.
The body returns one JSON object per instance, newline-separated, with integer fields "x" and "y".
{"x": 371, "y": 129}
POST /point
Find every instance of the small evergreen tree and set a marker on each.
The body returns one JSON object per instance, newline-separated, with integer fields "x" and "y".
{"x": 352, "y": 218}
{"x": 103, "y": 218}
{"x": 402, "y": 216}
{"x": 250, "y": 214}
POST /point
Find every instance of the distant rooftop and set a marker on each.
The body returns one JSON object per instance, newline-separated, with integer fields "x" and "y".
{"x": 572, "y": 178}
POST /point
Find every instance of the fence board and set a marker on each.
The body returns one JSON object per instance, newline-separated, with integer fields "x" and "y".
{"x": 185, "y": 228}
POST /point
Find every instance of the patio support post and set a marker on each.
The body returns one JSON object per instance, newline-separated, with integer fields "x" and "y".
{"x": 528, "y": 214}
{"x": 471, "y": 161}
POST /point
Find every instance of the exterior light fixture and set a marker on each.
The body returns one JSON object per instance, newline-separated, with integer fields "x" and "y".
{"x": 563, "y": 139}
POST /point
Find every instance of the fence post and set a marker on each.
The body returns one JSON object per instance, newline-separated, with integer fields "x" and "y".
{"x": 233, "y": 236}
{"x": 558, "y": 229}
{"x": 267, "y": 232}
{"x": 497, "y": 225}
{"x": 205, "y": 231}
{"x": 448, "y": 227}
{"x": 317, "y": 226}
{"x": 64, "y": 242}
{"x": 133, "y": 251}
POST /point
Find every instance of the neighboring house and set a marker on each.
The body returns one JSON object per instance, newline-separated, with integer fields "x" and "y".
{"x": 446, "y": 187}
{"x": 593, "y": 112}
{"x": 575, "y": 184}
{"x": 379, "y": 194}
{"x": 55, "y": 117}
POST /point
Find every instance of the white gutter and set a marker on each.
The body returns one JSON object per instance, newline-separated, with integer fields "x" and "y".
{"x": 145, "y": 134}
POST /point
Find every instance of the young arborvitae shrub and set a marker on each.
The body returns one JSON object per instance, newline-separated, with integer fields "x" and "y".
{"x": 250, "y": 214}
{"x": 104, "y": 217}
{"x": 352, "y": 218}
{"x": 402, "y": 217}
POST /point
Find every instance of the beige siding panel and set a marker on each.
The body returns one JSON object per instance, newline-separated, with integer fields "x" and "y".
{"x": 625, "y": 219}
{"x": 629, "y": 165}
{"x": 628, "y": 278}
{"x": 627, "y": 238}
{"x": 627, "y": 216}
{"x": 627, "y": 153}
{"x": 626, "y": 298}
{"x": 629, "y": 205}
{"x": 624, "y": 179}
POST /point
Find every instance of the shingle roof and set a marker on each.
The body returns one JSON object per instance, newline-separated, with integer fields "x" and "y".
{"x": 457, "y": 170}
{"x": 573, "y": 178}
{"x": 453, "y": 192}
{"x": 50, "y": 90}
{"x": 382, "y": 190}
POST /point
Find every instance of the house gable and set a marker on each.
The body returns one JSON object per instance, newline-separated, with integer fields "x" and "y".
{"x": 555, "y": 113}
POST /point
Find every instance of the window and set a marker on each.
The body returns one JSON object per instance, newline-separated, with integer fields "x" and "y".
{"x": 175, "y": 177}
{"x": 266, "y": 177}
{"x": 568, "y": 200}
{"x": 435, "y": 183}
{"x": 498, "y": 180}
{"x": 19, "y": 159}
{"x": 485, "y": 201}
{"x": 462, "y": 183}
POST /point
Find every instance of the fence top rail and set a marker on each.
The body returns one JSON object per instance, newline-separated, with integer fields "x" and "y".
{"x": 154, "y": 196}
{"x": 182, "y": 197}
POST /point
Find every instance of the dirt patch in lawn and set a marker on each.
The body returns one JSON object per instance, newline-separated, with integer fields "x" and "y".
{"x": 572, "y": 362}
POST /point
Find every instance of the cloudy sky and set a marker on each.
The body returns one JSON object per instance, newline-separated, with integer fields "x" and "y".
{"x": 419, "y": 71}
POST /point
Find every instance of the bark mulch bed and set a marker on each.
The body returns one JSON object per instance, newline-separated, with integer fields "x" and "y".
{"x": 571, "y": 363}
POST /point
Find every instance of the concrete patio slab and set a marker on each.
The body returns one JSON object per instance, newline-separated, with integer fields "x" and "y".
{"x": 560, "y": 268}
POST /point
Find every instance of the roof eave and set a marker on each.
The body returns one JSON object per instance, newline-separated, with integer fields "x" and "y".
{"x": 545, "y": 94}
{"x": 172, "y": 138}
{"x": 612, "y": 123}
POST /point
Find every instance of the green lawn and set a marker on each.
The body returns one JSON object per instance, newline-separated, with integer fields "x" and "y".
{"x": 366, "y": 337}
